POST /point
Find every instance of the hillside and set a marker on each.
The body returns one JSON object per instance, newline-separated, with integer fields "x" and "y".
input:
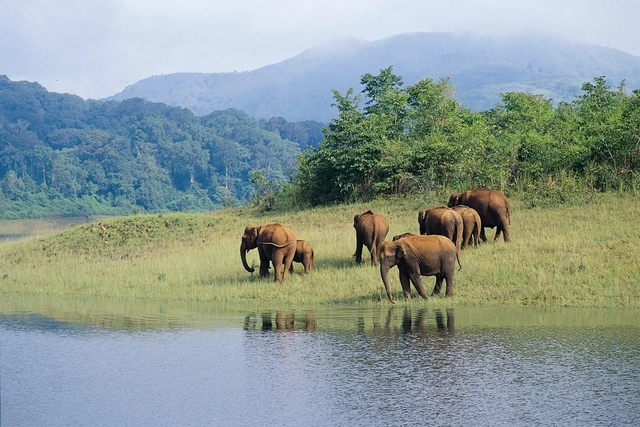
{"x": 480, "y": 68}
{"x": 63, "y": 156}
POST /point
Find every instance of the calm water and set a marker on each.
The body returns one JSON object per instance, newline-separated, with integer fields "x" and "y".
{"x": 383, "y": 367}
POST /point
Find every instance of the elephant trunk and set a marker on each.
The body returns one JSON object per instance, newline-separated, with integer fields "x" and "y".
{"x": 384, "y": 273}
{"x": 243, "y": 255}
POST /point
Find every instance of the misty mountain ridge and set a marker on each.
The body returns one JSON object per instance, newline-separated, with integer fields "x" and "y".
{"x": 481, "y": 67}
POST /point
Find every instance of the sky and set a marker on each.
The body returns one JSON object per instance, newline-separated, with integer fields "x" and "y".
{"x": 95, "y": 48}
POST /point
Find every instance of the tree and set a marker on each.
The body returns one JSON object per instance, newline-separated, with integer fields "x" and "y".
{"x": 386, "y": 102}
{"x": 432, "y": 108}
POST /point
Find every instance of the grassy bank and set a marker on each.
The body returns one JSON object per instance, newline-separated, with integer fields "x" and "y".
{"x": 584, "y": 255}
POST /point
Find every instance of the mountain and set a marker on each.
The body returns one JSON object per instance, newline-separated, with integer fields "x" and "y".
{"x": 480, "y": 68}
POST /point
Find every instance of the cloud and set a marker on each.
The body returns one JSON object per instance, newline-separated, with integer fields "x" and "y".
{"x": 95, "y": 48}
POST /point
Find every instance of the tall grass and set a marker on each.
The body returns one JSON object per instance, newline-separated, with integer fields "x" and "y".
{"x": 582, "y": 255}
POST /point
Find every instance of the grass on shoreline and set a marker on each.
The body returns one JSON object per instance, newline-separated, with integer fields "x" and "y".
{"x": 582, "y": 255}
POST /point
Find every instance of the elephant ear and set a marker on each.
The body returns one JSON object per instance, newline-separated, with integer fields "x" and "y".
{"x": 251, "y": 235}
{"x": 400, "y": 252}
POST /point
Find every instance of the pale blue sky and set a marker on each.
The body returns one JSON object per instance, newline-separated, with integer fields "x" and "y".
{"x": 95, "y": 48}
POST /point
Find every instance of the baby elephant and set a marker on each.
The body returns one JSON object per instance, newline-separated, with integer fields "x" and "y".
{"x": 304, "y": 255}
{"x": 416, "y": 256}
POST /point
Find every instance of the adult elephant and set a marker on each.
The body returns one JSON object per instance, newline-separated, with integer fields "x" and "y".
{"x": 471, "y": 224}
{"x": 492, "y": 206}
{"x": 275, "y": 243}
{"x": 371, "y": 230}
{"x": 416, "y": 256}
{"x": 443, "y": 221}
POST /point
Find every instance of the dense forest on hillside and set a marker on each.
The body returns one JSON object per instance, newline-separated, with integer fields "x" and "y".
{"x": 61, "y": 155}
{"x": 393, "y": 139}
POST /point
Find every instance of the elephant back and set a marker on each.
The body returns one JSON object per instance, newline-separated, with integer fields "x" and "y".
{"x": 276, "y": 235}
{"x": 469, "y": 215}
{"x": 491, "y": 205}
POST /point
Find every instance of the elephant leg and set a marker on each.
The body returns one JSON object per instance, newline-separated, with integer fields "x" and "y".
{"x": 374, "y": 253}
{"x": 358, "y": 253}
{"x": 264, "y": 263}
{"x": 465, "y": 240}
{"x": 278, "y": 257}
{"x": 291, "y": 269}
{"x": 406, "y": 285}
{"x": 498, "y": 233}
{"x": 483, "y": 236}
{"x": 417, "y": 282}
{"x": 438, "y": 285}
{"x": 449, "y": 289}
{"x": 307, "y": 264}
{"x": 507, "y": 237}
{"x": 288, "y": 261}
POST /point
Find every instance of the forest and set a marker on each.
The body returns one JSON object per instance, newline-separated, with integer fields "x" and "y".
{"x": 389, "y": 139}
{"x": 62, "y": 156}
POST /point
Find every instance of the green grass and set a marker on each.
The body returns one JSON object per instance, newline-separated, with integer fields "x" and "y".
{"x": 583, "y": 255}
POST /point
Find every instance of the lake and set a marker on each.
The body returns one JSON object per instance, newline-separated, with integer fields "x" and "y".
{"x": 68, "y": 363}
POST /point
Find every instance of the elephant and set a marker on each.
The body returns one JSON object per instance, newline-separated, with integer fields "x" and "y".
{"x": 443, "y": 221}
{"x": 416, "y": 256}
{"x": 275, "y": 243}
{"x": 471, "y": 224}
{"x": 492, "y": 206}
{"x": 371, "y": 230}
{"x": 304, "y": 255}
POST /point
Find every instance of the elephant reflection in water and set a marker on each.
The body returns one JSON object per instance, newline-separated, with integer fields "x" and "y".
{"x": 422, "y": 317}
{"x": 451, "y": 323}
{"x": 283, "y": 321}
{"x": 443, "y": 321}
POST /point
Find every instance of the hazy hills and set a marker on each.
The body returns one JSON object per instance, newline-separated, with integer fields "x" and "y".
{"x": 480, "y": 67}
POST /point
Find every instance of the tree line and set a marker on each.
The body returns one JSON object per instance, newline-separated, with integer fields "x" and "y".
{"x": 391, "y": 139}
{"x": 61, "y": 155}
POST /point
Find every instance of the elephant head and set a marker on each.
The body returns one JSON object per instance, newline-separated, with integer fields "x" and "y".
{"x": 249, "y": 241}
{"x": 454, "y": 200}
{"x": 356, "y": 218}
{"x": 390, "y": 254}
{"x": 422, "y": 214}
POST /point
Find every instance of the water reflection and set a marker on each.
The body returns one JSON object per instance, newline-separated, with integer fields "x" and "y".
{"x": 409, "y": 321}
{"x": 400, "y": 365}
{"x": 280, "y": 321}
{"x": 421, "y": 322}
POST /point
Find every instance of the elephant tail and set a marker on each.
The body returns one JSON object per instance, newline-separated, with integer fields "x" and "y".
{"x": 275, "y": 245}
{"x": 459, "y": 235}
{"x": 458, "y": 258}
{"x": 375, "y": 242}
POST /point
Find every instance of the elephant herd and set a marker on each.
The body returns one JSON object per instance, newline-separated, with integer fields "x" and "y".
{"x": 444, "y": 231}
